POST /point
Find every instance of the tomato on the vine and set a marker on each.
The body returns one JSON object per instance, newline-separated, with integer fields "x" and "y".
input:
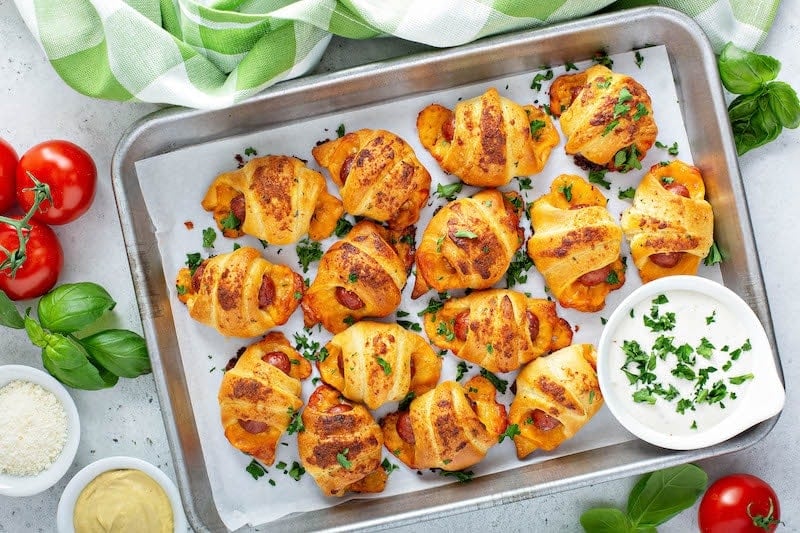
{"x": 8, "y": 171}
{"x": 739, "y": 503}
{"x": 69, "y": 171}
{"x": 44, "y": 259}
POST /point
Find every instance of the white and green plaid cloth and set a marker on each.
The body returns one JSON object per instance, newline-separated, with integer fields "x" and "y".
{"x": 211, "y": 53}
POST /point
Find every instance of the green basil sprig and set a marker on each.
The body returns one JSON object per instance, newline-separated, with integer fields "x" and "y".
{"x": 121, "y": 351}
{"x": 764, "y": 107}
{"x": 656, "y": 498}
{"x": 73, "y": 306}
{"x": 90, "y": 363}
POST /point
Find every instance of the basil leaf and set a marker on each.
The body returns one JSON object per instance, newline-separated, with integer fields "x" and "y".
{"x": 69, "y": 363}
{"x": 122, "y": 352}
{"x": 9, "y": 314}
{"x": 743, "y": 107}
{"x": 35, "y": 332}
{"x": 606, "y": 520}
{"x": 744, "y": 72}
{"x": 783, "y": 103}
{"x": 73, "y": 306}
{"x": 663, "y": 494}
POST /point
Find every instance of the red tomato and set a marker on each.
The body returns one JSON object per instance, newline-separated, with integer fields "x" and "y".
{"x": 8, "y": 169}
{"x": 68, "y": 170}
{"x": 739, "y": 503}
{"x": 44, "y": 259}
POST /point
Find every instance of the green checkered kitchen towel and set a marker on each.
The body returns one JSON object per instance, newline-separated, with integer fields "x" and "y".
{"x": 211, "y": 53}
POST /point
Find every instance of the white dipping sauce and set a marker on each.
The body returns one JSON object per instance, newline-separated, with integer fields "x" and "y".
{"x": 696, "y": 317}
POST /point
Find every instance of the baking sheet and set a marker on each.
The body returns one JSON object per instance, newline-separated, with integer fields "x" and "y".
{"x": 174, "y": 183}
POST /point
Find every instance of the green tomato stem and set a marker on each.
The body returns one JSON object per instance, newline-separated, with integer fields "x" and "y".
{"x": 16, "y": 258}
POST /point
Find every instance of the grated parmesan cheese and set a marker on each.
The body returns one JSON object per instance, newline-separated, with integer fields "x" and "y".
{"x": 33, "y": 428}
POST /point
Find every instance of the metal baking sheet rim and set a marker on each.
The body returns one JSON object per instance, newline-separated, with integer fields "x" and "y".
{"x": 703, "y": 104}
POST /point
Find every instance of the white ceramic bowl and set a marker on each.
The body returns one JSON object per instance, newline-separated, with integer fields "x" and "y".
{"x": 763, "y": 398}
{"x": 30, "y": 485}
{"x": 66, "y": 505}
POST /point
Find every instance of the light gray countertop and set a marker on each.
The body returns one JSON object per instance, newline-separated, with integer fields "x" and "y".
{"x": 35, "y": 105}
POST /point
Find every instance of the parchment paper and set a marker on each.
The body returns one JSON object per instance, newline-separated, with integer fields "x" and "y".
{"x": 174, "y": 183}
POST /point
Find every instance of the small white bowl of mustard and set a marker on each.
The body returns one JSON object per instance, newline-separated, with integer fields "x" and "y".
{"x": 120, "y": 494}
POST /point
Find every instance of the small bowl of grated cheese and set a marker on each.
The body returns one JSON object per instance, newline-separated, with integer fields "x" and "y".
{"x": 39, "y": 430}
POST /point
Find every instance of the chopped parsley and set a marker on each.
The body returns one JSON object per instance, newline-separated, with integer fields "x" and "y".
{"x": 230, "y": 222}
{"x": 641, "y": 111}
{"x": 449, "y": 192}
{"x": 433, "y": 307}
{"x": 610, "y": 127}
{"x": 711, "y": 318}
{"x": 209, "y": 236}
{"x": 627, "y": 159}
{"x": 342, "y": 458}
{"x": 536, "y": 84}
{"x": 340, "y": 131}
{"x": 405, "y": 403}
{"x": 570, "y": 66}
{"x": 255, "y": 469}
{"x": 308, "y": 251}
{"x": 296, "y": 424}
{"x": 309, "y": 349}
{"x": 536, "y": 126}
{"x": 612, "y": 278}
{"x": 500, "y": 384}
{"x": 180, "y": 289}
{"x": 511, "y": 431}
{"x": 445, "y": 329}
{"x": 461, "y": 369}
{"x": 671, "y": 150}
{"x": 465, "y": 234}
{"x": 628, "y": 193}
{"x": 598, "y": 177}
{"x": 463, "y": 476}
{"x": 250, "y": 151}
{"x": 387, "y": 368}
{"x": 388, "y": 467}
{"x": 518, "y": 269}
{"x": 193, "y": 261}
{"x": 738, "y": 380}
{"x": 343, "y": 227}
{"x": 353, "y": 277}
{"x": 411, "y": 326}
{"x": 639, "y": 58}
{"x": 296, "y": 471}
{"x": 601, "y": 58}
{"x": 714, "y": 255}
{"x": 524, "y": 185}
{"x": 566, "y": 190}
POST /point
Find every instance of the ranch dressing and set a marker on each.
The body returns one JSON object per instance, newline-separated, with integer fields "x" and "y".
{"x": 689, "y": 362}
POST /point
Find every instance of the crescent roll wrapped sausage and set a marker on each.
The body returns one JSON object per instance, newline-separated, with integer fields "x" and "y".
{"x": 240, "y": 293}
{"x": 359, "y": 276}
{"x": 341, "y": 445}
{"x": 469, "y": 243}
{"x": 487, "y": 140}
{"x": 274, "y": 198}
{"x": 374, "y": 363}
{"x": 576, "y": 244}
{"x": 259, "y": 396}
{"x": 498, "y": 329}
{"x": 670, "y": 226}
{"x": 606, "y": 116}
{"x": 378, "y": 175}
{"x": 556, "y": 396}
{"x": 450, "y": 427}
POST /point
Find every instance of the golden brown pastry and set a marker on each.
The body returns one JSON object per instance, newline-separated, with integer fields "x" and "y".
{"x": 341, "y": 446}
{"x": 576, "y": 244}
{"x": 670, "y": 226}
{"x": 378, "y": 174}
{"x": 487, "y": 140}
{"x": 469, "y": 243}
{"x": 556, "y": 396}
{"x": 359, "y": 276}
{"x": 498, "y": 329}
{"x": 260, "y": 394}
{"x": 374, "y": 363}
{"x": 275, "y": 198}
{"x": 606, "y": 116}
{"x": 240, "y": 293}
{"x": 450, "y": 427}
